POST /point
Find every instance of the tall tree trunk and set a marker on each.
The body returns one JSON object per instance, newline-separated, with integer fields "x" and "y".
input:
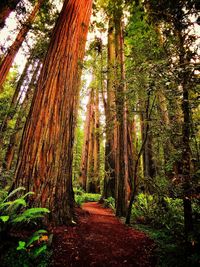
{"x": 85, "y": 149}
{"x": 46, "y": 152}
{"x": 121, "y": 157}
{"x": 97, "y": 144}
{"x": 148, "y": 161}
{"x": 91, "y": 187}
{"x": 184, "y": 78}
{"x": 14, "y": 48}
{"x": 109, "y": 179}
{"x": 6, "y": 7}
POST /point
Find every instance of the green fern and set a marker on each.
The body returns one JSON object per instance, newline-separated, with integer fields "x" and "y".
{"x": 13, "y": 209}
{"x": 30, "y": 215}
{"x": 14, "y": 192}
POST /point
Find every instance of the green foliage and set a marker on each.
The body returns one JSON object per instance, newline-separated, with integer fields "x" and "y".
{"x": 82, "y": 197}
{"x": 23, "y": 258}
{"x": 78, "y": 143}
{"x": 34, "y": 246}
{"x": 14, "y": 211}
{"x": 163, "y": 220}
{"x": 159, "y": 212}
{"x": 109, "y": 203}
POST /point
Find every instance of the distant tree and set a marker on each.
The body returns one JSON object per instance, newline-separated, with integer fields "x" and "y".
{"x": 21, "y": 116}
{"x": 87, "y": 140}
{"x": 176, "y": 16}
{"x": 110, "y": 145}
{"x": 7, "y": 60}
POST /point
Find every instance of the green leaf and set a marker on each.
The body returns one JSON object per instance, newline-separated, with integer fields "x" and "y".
{"x": 30, "y": 215}
{"x": 21, "y": 245}
{"x": 33, "y": 239}
{"x": 39, "y": 232}
{"x": 4, "y": 218}
{"x": 40, "y": 250}
{"x": 14, "y": 192}
{"x": 28, "y": 194}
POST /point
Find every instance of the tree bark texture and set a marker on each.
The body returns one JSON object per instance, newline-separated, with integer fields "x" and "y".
{"x": 121, "y": 155}
{"x": 46, "y": 151}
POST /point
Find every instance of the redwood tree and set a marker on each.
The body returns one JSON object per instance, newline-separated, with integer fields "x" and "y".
{"x": 45, "y": 157}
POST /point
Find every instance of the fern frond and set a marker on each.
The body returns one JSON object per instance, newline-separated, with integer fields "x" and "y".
{"x": 27, "y": 194}
{"x": 21, "y": 188}
{"x": 30, "y": 215}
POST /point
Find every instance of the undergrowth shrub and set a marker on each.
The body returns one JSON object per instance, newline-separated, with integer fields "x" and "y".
{"x": 82, "y": 197}
{"x": 163, "y": 219}
{"x": 14, "y": 215}
{"x": 14, "y": 211}
{"x": 109, "y": 203}
{"x": 159, "y": 212}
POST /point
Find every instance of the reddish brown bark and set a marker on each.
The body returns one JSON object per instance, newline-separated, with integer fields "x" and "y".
{"x": 45, "y": 156}
{"x": 14, "y": 48}
{"x": 121, "y": 155}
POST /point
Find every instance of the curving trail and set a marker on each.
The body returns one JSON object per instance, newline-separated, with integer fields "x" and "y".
{"x": 100, "y": 240}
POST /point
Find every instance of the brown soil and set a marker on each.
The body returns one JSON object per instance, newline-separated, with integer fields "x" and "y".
{"x": 100, "y": 240}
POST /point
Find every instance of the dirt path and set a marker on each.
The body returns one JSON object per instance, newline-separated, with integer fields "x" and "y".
{"x": 100, "y": 240}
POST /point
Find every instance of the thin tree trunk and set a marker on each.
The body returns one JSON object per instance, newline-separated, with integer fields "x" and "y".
{"x": 184, "y": 78}
{"x": 14, "y": 48}
{"x": 109, "y": 179}
{"x": 148, "y": 161}
{"x": 46, "y": 152}
{"x": 15, "y": 98}
{"x": 132, "y": 154}
{"x": 85, "y": 149}
{"x": 148, "y": 112}
{"x": 122, "y": 156}
{"x": 97, "y": 145}
{"x": 14, "y": 138}
{"x": 90, "y": 164}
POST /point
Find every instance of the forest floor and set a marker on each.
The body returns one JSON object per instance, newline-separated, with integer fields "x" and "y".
{"x": 99, "y": 239}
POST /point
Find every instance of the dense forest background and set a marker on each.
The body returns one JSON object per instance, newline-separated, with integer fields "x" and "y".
{"x": 114, "y": 119}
